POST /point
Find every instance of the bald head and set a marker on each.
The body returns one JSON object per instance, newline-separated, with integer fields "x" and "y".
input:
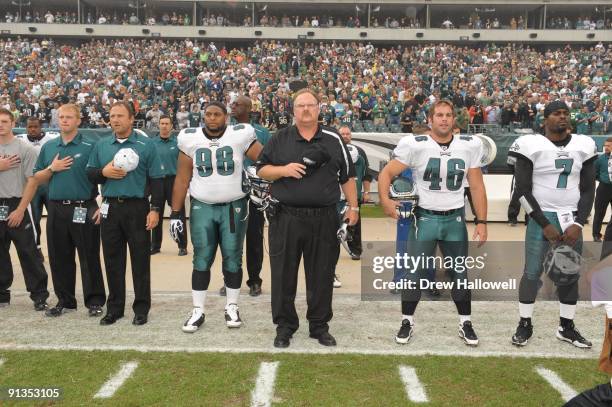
{"x": 241, "y": 109}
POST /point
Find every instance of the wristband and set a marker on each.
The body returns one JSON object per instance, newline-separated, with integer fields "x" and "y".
{"x": 478, "y": 221}
{"x": 354, "y": 208}
{"x": 579, "y": 225}
{"x": 155, "y": 209}
{"x": 50, "y": 168}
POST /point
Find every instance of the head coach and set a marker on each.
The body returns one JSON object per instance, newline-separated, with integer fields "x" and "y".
{"x": 308, "y": 165}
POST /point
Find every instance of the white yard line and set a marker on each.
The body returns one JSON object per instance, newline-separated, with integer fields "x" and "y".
{"x": 564, "y": 389}
{"x": 1, "y": 362}
{"x": 414, "y": 389}
{"x": 316, "y": 351}
{"x": 264, "y": 386}
{"x": 109, "y": 388}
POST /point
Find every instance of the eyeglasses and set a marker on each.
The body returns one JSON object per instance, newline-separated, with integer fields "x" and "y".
{"x": 303, "y": 106}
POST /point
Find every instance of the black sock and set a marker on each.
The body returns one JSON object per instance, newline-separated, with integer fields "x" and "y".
{"x": 565, "y": 322}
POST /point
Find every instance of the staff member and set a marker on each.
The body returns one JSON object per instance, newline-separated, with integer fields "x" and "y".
{"x": 168, "y": 154}
{"x": 73, "y": 219}
{"x": 38, "y": 138}
{"x": 241, "y": 112}
{"x": 603, "y": 195}
{"x": 127, "y": 217}
{"x": 17, "y": 160}
{"x": 307, "y": 162}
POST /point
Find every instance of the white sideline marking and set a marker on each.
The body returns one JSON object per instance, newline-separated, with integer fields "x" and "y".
{"x": 1, "y": 362}
{"x": 340, "y": 351}
{"x": 264, "y": 386}
{"x": 414, "y": 389}
{"x": 564, "y": 389}
{"x": 109, "y": 388}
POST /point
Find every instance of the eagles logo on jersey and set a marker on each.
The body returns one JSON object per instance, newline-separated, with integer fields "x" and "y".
{"x": 217, "y": 162}
{"x": 439, "y": 169}
{"x": 556, "y": 169}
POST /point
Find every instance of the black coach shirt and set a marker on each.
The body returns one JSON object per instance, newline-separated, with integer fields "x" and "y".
{"x": 321, "y": 186}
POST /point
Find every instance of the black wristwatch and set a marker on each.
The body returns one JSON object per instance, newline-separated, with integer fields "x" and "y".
{"x": 478, "y": 221}
{"x": 155, "y": 209}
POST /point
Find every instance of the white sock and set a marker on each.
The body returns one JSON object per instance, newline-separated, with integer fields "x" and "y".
{"x": 232, "y": 295}
{"x": 410, "y": 318}
{"x": 567, "y": 311}
{"x": 609, "y": 310}
{"x": 526, "y": 310}
{"x": 199, "y": 297}
{"x": 463, "y": 318}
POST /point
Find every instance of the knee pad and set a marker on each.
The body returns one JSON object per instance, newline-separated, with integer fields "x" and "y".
{"x": 200, "y": 280}
{"x": 232, "y": 280}
{"x": 528, "y": 289}
{"x": 568, "y": 294}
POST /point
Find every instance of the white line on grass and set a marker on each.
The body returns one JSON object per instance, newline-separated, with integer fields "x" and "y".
{"x": 109, "y": 388}
{"x": 564, "y": 389}
{"x": 321, "y": 351}
{"x": 414, "y": 389}
{"x": 1, "y": 362}
{"x": 264, "y": 386}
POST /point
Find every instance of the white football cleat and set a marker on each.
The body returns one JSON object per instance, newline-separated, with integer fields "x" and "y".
{"x": 196, "y": 319}
{"x": 232, "y": 316}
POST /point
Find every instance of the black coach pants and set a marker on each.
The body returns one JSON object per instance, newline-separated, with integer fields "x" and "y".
{"x": 603, "y": 198}
{"x": 158, "y": 232}
{"x": 125, "y": 226}
{"x": 309, "y": 233}
{"x": 24, "y": 239}
{"x": 254, "y": 244}
{"x": 63, "y": 238}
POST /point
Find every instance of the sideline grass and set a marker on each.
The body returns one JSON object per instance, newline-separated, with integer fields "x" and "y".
{"x": 303, "y": 380}
{"x": 372, "y": 211}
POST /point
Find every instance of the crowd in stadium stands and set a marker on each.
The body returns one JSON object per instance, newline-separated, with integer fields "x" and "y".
{"x": 366, "y": 87}
{"x": 269, "y": 20}
{"x": 581, "y": 23}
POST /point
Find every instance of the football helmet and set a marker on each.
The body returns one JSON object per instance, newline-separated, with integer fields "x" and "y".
{"x": 403, "y": 190}
{"x": 489, "y": 149}
{"x": 562, "y": 264}
{"x": 260, "y": 189}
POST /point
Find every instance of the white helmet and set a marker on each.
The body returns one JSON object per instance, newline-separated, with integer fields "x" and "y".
{"x": 126, "y": 159}
{"x": 489, "y": 149}
{"x": 260, "y": 188}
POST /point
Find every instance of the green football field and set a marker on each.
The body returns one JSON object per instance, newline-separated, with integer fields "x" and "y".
{"x": 217, "y": 379}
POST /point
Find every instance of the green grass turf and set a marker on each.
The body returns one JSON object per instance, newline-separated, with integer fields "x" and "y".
{"x": 372, "y": 211}
{"x": 215, "y": 379}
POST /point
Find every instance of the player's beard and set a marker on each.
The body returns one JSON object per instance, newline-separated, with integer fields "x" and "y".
{"x": 217, "y": 133}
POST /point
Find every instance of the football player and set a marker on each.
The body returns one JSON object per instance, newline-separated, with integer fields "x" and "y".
{"x": 210, "y": 166}
{"x": 440, "y": 161}
{"x": 555, "y": 181}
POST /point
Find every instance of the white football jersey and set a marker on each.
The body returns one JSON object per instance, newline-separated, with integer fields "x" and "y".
{"x": 37, "y": 144}
{"x": 217, "y": 163}
{"x": 439, "y": 172}
{"x": 556, "y": 169}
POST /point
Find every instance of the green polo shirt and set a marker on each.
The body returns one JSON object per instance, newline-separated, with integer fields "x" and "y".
{"x": 263, "y": 135}
{"x": 133, "y": 185}
{"x": 601, "y": 169}
{"x": 168, "y": 153}
{"x": 71, "y": 184}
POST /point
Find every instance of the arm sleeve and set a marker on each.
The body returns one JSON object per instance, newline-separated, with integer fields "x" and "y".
{"x": 28, "y": 161}
{"x": 267, "y": 154}
{"x": 347, "y": 168}
{"x": 587, "y": 191}
{"x": 157, "y": 192}
{"x": 523, "y": 172}
{"x": 402, "y": 152}
{"x": 95, "y": 175}
{"x": 41, "y": 163}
